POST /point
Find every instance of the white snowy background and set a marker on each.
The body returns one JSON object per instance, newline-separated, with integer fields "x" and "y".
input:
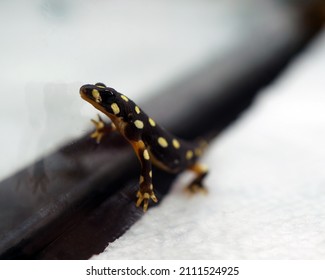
{"x": 266, "y": 184}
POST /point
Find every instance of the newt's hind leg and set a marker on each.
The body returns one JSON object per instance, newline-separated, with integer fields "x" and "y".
{"x": 102, "y": 128}
{"x": 196, "y": 185}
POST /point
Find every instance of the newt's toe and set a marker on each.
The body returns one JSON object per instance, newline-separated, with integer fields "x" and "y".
{"x": 145, "y": 198}
{"x": 99, "y": 132}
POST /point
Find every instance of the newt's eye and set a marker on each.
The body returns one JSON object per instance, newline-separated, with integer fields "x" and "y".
{"x": 130, "y": 117}
{"x": 108, "y": 91}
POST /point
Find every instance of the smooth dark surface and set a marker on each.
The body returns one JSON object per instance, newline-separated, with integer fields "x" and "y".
{"x": 71, "y": 204}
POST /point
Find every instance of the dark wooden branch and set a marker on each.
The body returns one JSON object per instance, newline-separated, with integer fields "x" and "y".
{"x": 71, "y": 204}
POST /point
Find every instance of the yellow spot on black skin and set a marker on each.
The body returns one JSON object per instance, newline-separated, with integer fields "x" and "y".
{"x": 189, "y": 154}
{"x": 124, "y": 98}
{"x": 139, "y": 124}
{"x": 146, "y": 154}
{"x": 176, "y": 144}
{"x": 96, "y": 95}
{"x": 141, "y": 180}
{"x": 137, "y": 110}
{"x": 150, "y": 174}
{"x": 152, "y": 122}
{"x": 100, "y": 86}
{"x": 115, "y": 108}
{"x": 162, "y": 142}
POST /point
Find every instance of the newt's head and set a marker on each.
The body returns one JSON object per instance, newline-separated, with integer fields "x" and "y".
{"x": 105, "y": 99}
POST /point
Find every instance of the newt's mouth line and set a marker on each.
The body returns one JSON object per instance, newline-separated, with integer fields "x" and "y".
{"x": 95, "y": 104}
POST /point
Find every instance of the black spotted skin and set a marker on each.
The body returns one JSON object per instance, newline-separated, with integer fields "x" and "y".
{"x": 151, "y": 143}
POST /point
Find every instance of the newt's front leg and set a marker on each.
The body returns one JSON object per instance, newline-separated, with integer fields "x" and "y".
{"x": 102, "y": 128}
{"x": 145, "y": 192}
